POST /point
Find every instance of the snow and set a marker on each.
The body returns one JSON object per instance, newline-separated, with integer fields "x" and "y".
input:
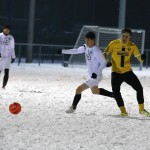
{"x": 46, "y": 91}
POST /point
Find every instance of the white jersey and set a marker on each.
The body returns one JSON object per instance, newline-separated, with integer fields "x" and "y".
{"x": 7, "y": 52}
{"x": 94, "y": 58}
{"x": 7, "y": 45}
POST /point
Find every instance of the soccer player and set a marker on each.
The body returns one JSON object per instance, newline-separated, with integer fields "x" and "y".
{"x": 7, "y": 52}
{"x": 121, "y": 51}
{"x": 95, "y": 64}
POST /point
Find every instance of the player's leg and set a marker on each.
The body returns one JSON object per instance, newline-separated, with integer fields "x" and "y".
{"x": 93, "y": 84}
{"x": 77, "y": 97}
{"x": 95, "y": 90}
{"x": 6, "y": 77}
{"x": 116, "y": 81}
{"x": 106, "y": 93}
{"x": 2, "y": 64}
{"x": 101, "y": 91}
{"x": 6, "y": 65}
{"x": 133, "y": 81}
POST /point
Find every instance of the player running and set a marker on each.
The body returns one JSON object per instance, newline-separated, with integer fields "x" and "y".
{"x": 95, "y": 64}
{"x": 7, "y": 52}
{"x": 121, "y": 51}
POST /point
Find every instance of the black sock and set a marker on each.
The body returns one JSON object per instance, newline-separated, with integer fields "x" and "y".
{"x": 106, "y": 93}
{"x": 76, "y": 100}
{"x": 6, "y": 76}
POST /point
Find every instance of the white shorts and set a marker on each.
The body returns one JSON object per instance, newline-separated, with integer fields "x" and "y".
{"x": 4, "y": 63}
{"x": 93, "y": 82}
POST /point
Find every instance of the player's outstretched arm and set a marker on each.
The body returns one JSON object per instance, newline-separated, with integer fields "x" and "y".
{"x": 69, "y": 51}
{"x": 74, "y": 51}
{"x": 141, "y": 57}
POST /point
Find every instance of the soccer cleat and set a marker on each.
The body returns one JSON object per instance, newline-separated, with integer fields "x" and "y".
{"x": 70, "y": 110}
{"x": 145, "y": 113}
{"x": 3, "y": 87}
{"x": 124, "y": 114}
{"x": 123, "y": 111}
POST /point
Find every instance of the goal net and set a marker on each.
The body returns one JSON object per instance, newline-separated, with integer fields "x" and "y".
{"x": 103, "y": 37}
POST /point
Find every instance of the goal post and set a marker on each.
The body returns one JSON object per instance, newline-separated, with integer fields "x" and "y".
{"x": 103, "y": 36}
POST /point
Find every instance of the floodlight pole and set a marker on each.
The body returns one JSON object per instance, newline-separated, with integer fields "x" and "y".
{"x": 122, "y": 14}
{"x": 30, "y": 30}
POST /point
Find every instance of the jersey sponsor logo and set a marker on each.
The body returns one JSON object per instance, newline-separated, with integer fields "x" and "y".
{"x": 6, "y": 42}
{"x": 122, "y": 53}
{"x": 88, "y": 55}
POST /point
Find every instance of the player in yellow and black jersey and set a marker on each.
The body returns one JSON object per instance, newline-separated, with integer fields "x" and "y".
{"x": 121, "y": 51}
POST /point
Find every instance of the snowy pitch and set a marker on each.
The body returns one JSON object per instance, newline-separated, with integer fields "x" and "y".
{"x": 45, "y": 93}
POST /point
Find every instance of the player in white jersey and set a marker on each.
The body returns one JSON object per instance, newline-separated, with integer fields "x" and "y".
{"x": 95, "y": 64}
{"x": 7, "y": 52}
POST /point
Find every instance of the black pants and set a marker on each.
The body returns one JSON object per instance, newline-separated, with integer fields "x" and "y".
{"x": 130, "y": 78}
{"x": 6, "y": 76}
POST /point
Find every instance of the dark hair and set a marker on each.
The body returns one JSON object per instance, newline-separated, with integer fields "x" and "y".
{"x": 127, "y": 30}
{"x": 90, "y": 35}
{"x": 7, "y": 26}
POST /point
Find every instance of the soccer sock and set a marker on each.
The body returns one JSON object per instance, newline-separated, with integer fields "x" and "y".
{"x": 141, "y": 107}
{"x": 106, "y": 93}
{"x": 76, "y": 100}
{"x": 123, "y": 109}
{"x": 6, "y": 76}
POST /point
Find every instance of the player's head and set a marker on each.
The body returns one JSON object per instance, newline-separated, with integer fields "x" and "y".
{"x": 6, "y": 29}
{"x": 90, "y": 39}
{"x": 126, "y": 35}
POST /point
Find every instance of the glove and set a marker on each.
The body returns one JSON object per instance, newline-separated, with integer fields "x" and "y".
{"x": 143, "y": 56}
{"x": 94, "y": 75}
{"x": 12, "y": 60}
{"x": 108, "y": 64}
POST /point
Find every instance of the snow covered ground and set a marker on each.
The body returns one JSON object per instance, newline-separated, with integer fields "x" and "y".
{"x": 46, "y": 91}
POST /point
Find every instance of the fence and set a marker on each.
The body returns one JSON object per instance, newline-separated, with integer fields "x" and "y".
{"x": 45, "y": 52}
{"x": 40, "y": 52}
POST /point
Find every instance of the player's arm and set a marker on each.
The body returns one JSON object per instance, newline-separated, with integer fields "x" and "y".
{"x": 12, "y": 45}
{"x": 136, "y": 53}
{"x": 100, "y": 58}
{"x": 106, "y": 52}
{"x": 74, "y": 51}
{"x": 108, "y": 62}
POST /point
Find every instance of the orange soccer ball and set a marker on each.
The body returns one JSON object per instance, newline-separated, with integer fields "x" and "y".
{"x": 15, "y": 108}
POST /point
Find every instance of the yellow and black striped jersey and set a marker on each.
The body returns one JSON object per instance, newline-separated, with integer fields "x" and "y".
{"x": 120, "y": 55}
